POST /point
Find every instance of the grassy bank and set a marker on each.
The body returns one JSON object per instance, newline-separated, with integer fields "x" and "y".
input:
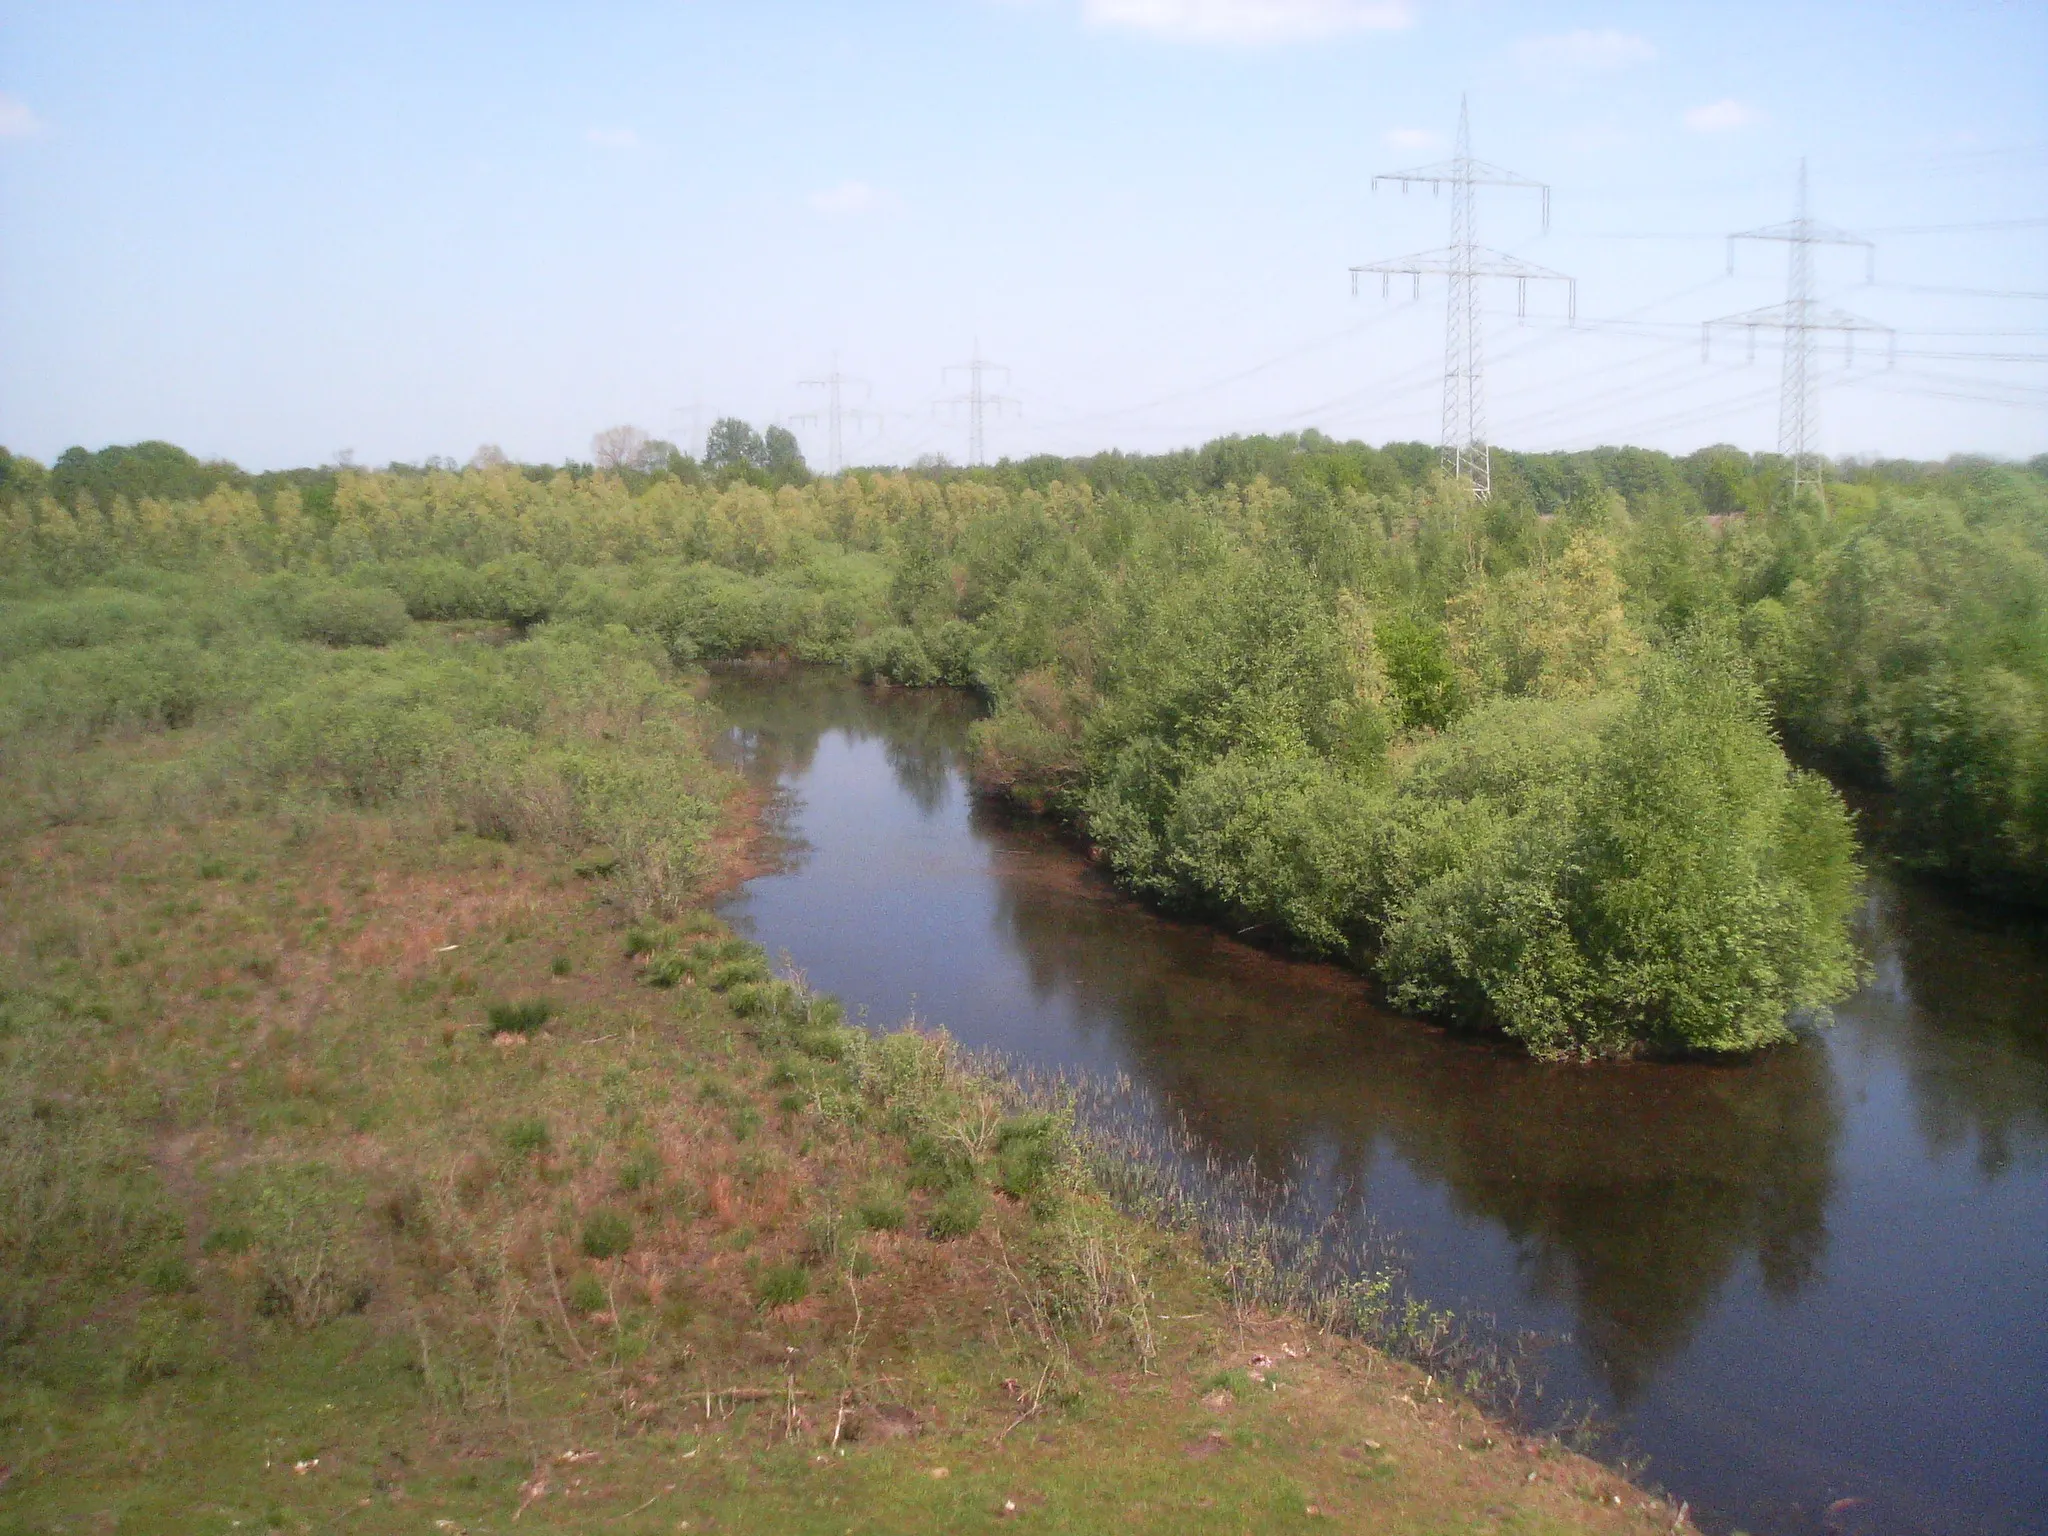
{"x": 390, "y": 1141}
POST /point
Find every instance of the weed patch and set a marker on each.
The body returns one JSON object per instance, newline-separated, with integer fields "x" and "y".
{"x": 607, "y": 1234}
{"x": 522, "y": 1018}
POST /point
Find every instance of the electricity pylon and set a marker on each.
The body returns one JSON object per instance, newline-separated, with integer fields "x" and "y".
{"x": 977, "y": 399}
{"x": 835, "y": 384}
{"x": 1464, "y": 261}
{"x": 1799, "y": 318}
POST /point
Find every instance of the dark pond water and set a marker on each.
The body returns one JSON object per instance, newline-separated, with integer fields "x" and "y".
{"x": 1814, "y": 1277}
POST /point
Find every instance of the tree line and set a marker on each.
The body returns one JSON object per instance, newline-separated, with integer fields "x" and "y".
{"x": 1524, "y": 759}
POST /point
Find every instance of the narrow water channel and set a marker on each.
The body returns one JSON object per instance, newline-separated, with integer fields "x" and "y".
{"x": 1816, "y": 1277}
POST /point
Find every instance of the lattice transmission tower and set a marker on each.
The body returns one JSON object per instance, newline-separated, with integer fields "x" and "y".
{"x": 836, "y": 412}
{"x": 1464, "y": 262}
{"x": 978, "y": 400}
{"x": 1801, "y": 318}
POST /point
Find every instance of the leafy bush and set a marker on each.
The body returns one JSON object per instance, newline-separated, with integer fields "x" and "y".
{"x": 91, "y": 616}
{"x": 670, "y": 968}
{"x": 341, "y": 616}
{"x": 366, "y": 735}
{"x": 1916, "y": 657}
{"x": 517, "y": 589}
{"x": 607, "y": 1233}
{"x": 169, "y": 1340}
{"x": 163, "y": 684}
{"x": 895, "y": 655}
{"x": 1673, "y": 882}
{"x": 436, "y": 588}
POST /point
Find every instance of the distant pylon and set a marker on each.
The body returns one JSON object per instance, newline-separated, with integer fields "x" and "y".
{"x": 835, "y": 384}
{"x": 1799, "y": 317}
{"x": 1464, "y": 261}
{"x": 977, "y": 399}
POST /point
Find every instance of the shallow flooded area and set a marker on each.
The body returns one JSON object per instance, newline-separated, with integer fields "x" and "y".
{"x": 1811, "y": 1289}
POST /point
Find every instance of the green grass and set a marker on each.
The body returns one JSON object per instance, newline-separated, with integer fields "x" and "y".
{"x": 522, "y": 1018}
{"x": 882, "y": 1210}
{"x": 782, "y": 1285}
{"x": 957, "y": 1213}
{"x": 523, "y": 1138}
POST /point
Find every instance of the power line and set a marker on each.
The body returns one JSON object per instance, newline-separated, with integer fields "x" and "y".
{"x": 1463, "y": 262}
{"x": 1687, "y": 417}
{"x": 1965, "y": 293}
{"x": 1242, "y": 374}
{"x": 1959, "y": 229}
{"x": 1975, "y": 227}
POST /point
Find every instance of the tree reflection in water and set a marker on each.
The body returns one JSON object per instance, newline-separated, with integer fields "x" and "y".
{"x": 1632, "y": 1191}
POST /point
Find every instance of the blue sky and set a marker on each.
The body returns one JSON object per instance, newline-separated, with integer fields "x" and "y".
{"x": 273, "y": 232}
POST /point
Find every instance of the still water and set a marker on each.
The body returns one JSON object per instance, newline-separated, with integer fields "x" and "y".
{"x": 1816, "y": 1277}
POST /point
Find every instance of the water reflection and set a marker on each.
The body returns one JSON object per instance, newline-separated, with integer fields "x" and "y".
{"x": 1819, "y": 1274}
{"x": 1630, "y": 1192}
{"x": 1962, "y": 995}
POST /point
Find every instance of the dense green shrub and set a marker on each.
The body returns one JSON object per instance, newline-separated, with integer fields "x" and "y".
{"x": 87, "y": 617}
{"x": 518, "y": 589}
{"x": 749, "y": 970}
{"x": 1670, "y": 881}
{"x": 367, "y": 735}
{"x": 349, "y": 616}
{"x": 435, "y": 588}
{"x": 161, "y": 684}
{"x": 588, "y": 1295}
{"x": 935, "y": 1165}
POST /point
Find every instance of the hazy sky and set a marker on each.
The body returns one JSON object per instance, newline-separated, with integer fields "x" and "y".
{"x": 276, "y": 231}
